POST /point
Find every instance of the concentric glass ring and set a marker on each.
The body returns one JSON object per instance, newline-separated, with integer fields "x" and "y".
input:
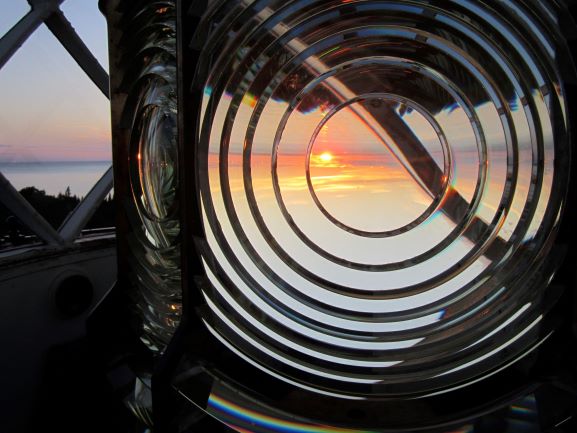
{"x": 375, "y": 101}
{"x": 380, "y": 184}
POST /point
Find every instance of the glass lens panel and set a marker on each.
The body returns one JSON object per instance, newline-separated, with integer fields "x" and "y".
{"x": 152, "y": 164}
{"x": 380, "y": 183}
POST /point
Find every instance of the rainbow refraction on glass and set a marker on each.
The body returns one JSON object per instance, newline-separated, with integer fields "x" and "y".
{"x": 380, "y": 185}
{"x": 152, "y": 169}
{"x": 244, "y": 419}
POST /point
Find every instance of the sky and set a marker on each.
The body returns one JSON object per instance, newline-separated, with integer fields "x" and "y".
{"x": 50, "y": 110}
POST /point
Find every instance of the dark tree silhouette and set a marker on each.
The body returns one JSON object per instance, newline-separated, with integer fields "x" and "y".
{"x": 54, "y": 209}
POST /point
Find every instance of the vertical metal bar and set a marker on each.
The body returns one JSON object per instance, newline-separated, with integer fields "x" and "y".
{"x": 165, "y": 400}
{"x": 188, "y": 16}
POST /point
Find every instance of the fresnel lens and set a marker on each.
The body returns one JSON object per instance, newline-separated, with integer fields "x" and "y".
{"x": 374, "y": 194}
{"x": 148, "y": 158}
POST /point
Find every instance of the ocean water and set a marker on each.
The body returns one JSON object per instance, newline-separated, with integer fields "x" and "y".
{"x": 55, "y": 177}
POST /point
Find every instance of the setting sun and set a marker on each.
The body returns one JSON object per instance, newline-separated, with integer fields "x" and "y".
{"x": 326, "y": 157}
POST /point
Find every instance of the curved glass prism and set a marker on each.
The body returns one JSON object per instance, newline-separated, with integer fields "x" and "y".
{"x": 150, "y": 111}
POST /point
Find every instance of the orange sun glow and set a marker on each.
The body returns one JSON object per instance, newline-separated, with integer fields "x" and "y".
{"x": 326, "y": 157}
